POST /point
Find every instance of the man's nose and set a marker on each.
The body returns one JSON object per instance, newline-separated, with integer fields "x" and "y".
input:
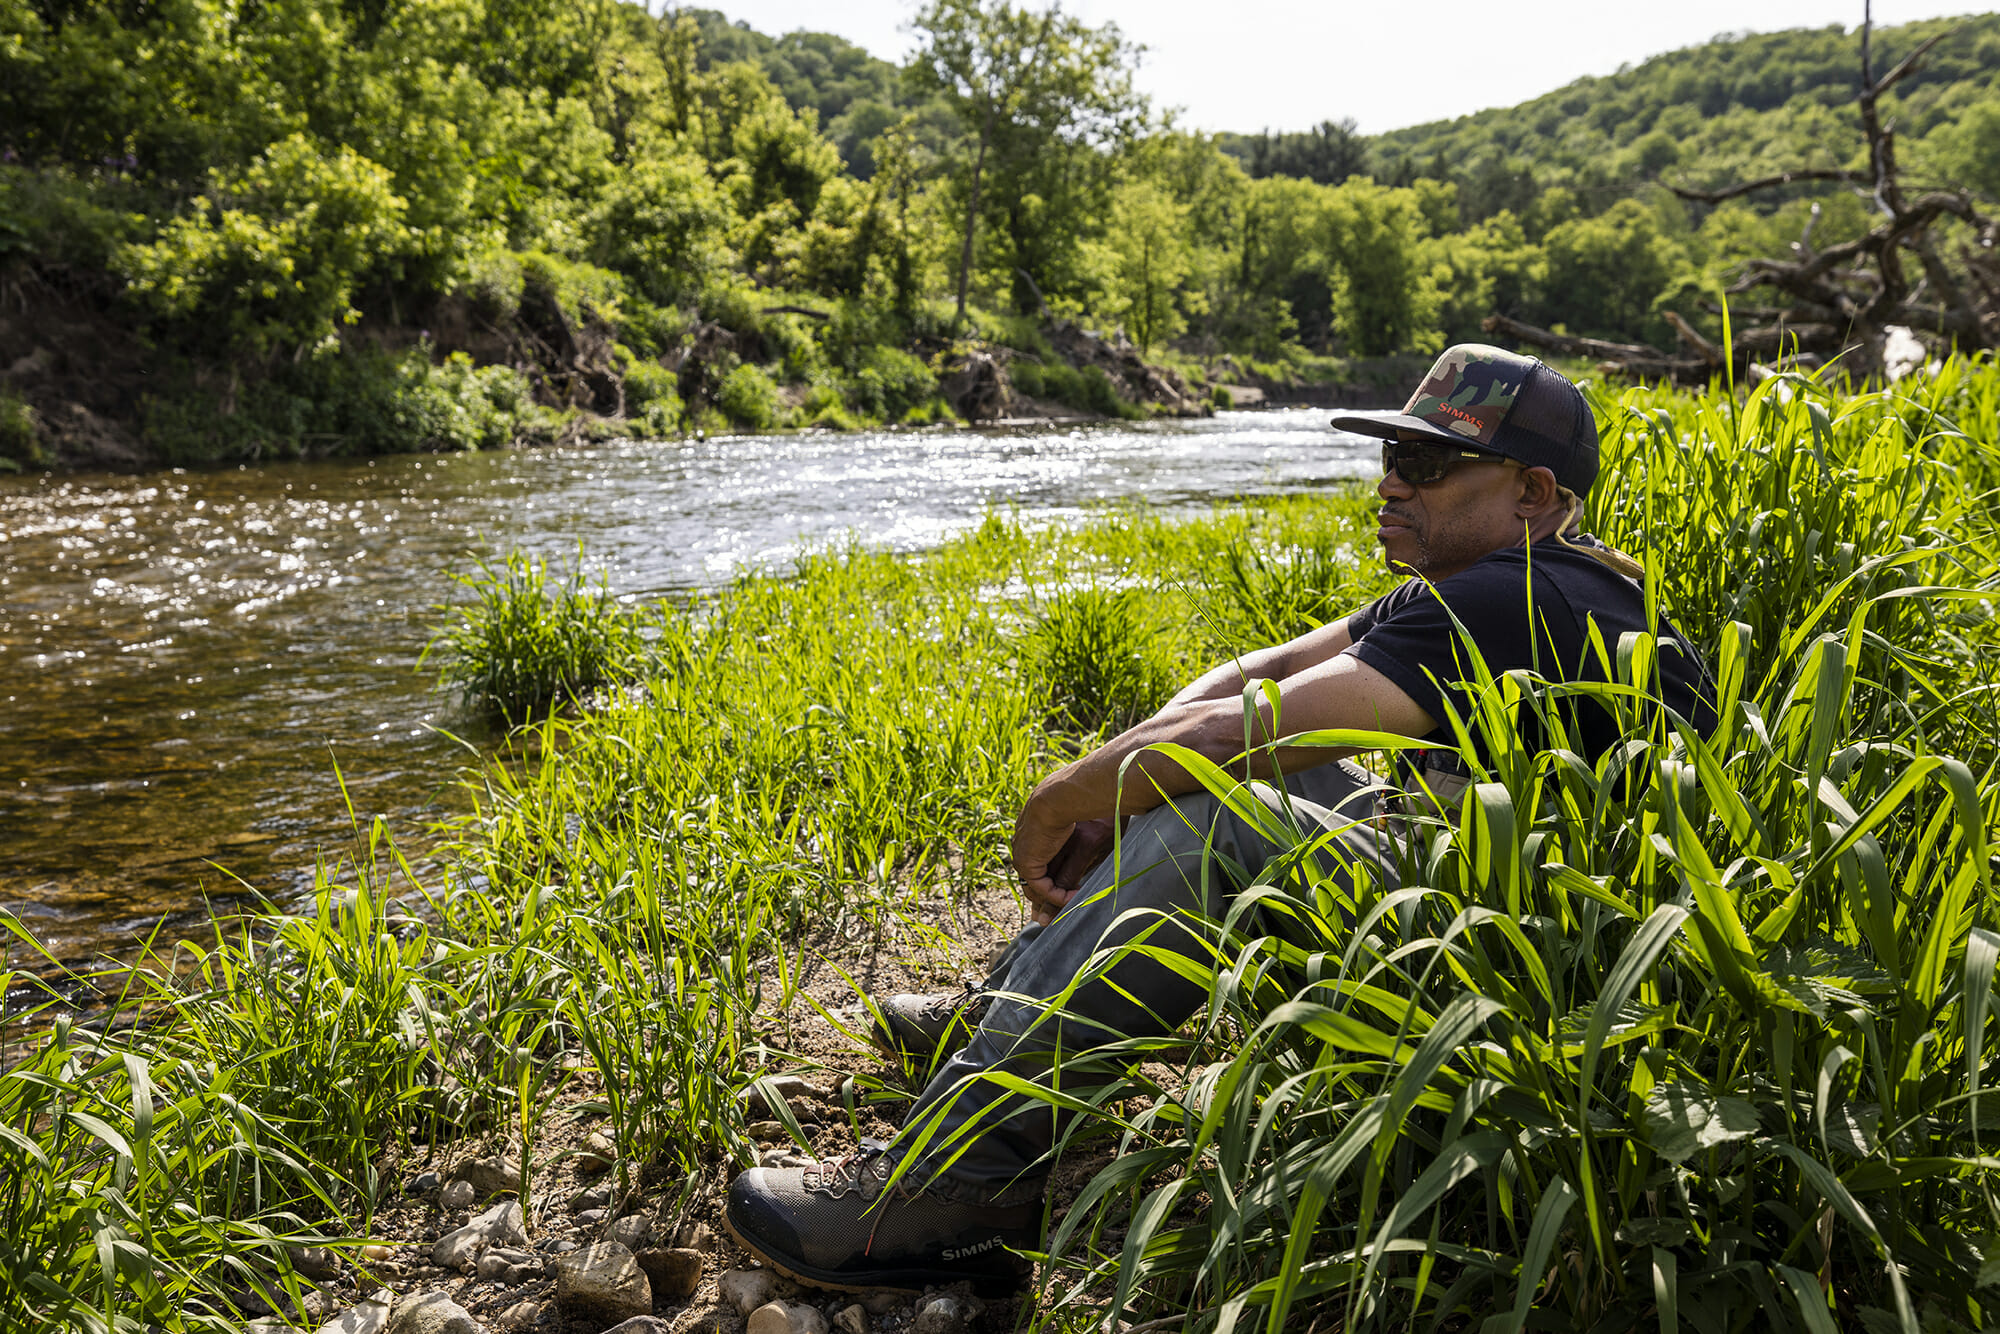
{"x": 1393, "y": 487}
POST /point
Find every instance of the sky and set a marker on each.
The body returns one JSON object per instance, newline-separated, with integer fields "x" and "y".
{"x": 1283, "y": 65}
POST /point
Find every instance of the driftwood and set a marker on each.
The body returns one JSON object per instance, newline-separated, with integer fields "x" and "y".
{"x": 1837, "y": 303}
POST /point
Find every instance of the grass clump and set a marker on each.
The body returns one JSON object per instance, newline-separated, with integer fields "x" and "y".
{"x": 1097, "y": 661}
{"x": 526, "y": 639}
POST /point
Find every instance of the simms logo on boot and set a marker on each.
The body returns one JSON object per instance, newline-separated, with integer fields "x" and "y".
{"x": 967, "y": 1252}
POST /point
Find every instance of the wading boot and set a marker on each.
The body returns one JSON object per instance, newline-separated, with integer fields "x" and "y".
{"x": 840, "y": 1225}
{"x": 926, "y": 1026}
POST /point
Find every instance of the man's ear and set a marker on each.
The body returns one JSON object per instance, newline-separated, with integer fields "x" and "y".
{"x": 1537, "y": 494}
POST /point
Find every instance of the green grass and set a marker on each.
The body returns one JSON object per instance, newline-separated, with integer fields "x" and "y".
{"x": 1717, "y": 1033}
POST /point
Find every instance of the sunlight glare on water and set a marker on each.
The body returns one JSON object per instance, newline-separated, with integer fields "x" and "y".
{"x": 187, "y": 656}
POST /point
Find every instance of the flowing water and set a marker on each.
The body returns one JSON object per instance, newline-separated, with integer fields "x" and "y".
{"x": 192, "y": 663}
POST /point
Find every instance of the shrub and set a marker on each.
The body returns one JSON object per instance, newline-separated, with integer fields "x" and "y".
{"x": 20, "y": 435}
{"x": 652, "y": 395}
{"x": 661, "y": 222}
{"x": 525, "y": 640}
{"x": 891, "y": 383}
{"x": 272, "y": 254}
{"x": 749, "y": 398}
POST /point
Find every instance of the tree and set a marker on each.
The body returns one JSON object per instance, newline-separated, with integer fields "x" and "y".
{"x": 1148, "y": 259}
{"x": 1023, "y": 83}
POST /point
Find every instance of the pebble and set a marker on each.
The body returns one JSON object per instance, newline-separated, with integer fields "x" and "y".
{"x": 423, "y": 1183}
{"x": 377, "y": 1254}
{"x": 459, "y": 1195}
{"x": 787, "y": 1318}
{"x": 521, "y": 1315}
{"x": 488, "y": 1176}
{"x": 694, "y": 1236}
{"x": 674, "y": 1273}
{"x": 370, "y": 1317}
{"x": 766, "y": 1130}
{"x": 498, "y": 1226}
{"x": 602, "y": 1282}
{"x": 509, "y": 1267}
{"x": 597, "y": 1198}
{"x": 633, "y": 1232}
{"x": 431, "y": 1313}
{"x": 942, "y": 1315}
{"x": 591, "y": 1217}
{"x": 747, "y": 1289}
{"x": 561, "y": 1247}
{"x": 642, "y": 1324}
{"x": 789, "y": 1087}
{"x": 884, "y": 1300}
{"x": 599, "y": 1152}
{"x": 852, "y": 1320}
{"x": 316, "y": 1263}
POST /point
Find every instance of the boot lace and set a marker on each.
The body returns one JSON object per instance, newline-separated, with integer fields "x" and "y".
{"x": 866, "y": 1170}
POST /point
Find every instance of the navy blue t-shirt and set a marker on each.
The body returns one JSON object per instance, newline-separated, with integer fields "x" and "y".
{"x": 1407, "y": 636}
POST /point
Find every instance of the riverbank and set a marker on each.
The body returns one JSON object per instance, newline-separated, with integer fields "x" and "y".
{"x": 1638, "y": 1000}
{"x": 560, "y": 362}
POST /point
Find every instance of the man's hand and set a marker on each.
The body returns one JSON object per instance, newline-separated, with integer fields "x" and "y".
{"x": 1046, "y": 856}
{"x": 1089, "y": 844}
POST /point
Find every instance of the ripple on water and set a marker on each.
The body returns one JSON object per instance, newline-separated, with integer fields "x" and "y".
{"x": 187, "y": 656}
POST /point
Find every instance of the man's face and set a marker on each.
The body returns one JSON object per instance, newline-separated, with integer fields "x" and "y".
{"x": 1439, "y": 529}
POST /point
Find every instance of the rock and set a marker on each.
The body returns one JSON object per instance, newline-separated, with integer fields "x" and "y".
{"x": 509, "y": 1267}
{"x": 694, "y": 1236}
{"x": 789, "y": 1087}
{"x": 766, "y": 1130}
{"x": 602, "y": 1282}
{"x": 316, "y": 1263}
{"x": 498, "y": 1226}
{"x": 674, "y": 1273}
{"x": 488, "y": 1176}
{"x": 375, "y": 1255}
{"x": 942, "y": 1315}
{"x": 599, "y": 1152}
{"x": 431, "y": 1313}
{"x": 371, "y": 1316}
{"x": 787, "y": 1318}
{"x": 521, "y": 1315}
{"x": 642, "y": 1324}
{"x": 590, "y": 1199}
{"x": 884, "y": 1300}
{"x": 270, "y": 1325}
{"x": 561, "y": 1247}
{"x": 747, "y": 1289}
{"x": 634, "y": 1233}
{"x": 977, "y": 386}
{"x": 459, "y": 1195}
{"x": 852, "y": 1320}
{"x": 591, "y": 1217}
{"x": 423, "y": 1183}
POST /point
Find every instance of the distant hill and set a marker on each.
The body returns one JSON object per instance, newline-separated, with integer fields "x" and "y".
{"x": 1741, "y": 105}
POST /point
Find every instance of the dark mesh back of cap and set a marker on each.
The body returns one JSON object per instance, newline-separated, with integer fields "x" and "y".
{"x": 1550, "y": 426}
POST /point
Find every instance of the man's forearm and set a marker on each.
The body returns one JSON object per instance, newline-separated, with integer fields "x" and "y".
{"x": 1226, "y": 680}
{"x": 1089, "y": 787}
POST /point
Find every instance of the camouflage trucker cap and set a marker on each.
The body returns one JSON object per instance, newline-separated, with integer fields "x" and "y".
{"x": 1488, "y": 398}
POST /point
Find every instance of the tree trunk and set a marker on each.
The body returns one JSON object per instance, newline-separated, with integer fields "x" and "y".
{"x": 971, "y": 221}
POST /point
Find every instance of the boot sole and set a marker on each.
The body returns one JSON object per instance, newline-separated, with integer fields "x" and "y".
{"x": 910, "y": 1282}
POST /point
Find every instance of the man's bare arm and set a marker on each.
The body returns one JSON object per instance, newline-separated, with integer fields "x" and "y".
{"x": 1338, "y": 692}
{"x": 1226, "y": 680}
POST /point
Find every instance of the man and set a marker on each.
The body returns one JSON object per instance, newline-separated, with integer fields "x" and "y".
{"x": 1483, "y": 478}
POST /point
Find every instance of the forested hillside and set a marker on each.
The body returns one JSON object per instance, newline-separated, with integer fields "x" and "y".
{"x": 237, "y": 230}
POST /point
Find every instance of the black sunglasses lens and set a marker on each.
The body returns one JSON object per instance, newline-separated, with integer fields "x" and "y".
{"x": 1419, "y": 465}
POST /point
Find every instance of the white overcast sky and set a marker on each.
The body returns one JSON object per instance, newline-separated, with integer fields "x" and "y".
{"x": 1251, "y": 64}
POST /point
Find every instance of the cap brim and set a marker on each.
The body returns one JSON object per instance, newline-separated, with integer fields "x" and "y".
{"x": 1388, "y": 428}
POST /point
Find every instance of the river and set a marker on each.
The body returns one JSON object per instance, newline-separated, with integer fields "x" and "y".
{"x": 186, "y": 657}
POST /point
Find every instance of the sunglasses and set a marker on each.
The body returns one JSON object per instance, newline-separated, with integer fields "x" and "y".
{"x": 1420, "y": 463}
